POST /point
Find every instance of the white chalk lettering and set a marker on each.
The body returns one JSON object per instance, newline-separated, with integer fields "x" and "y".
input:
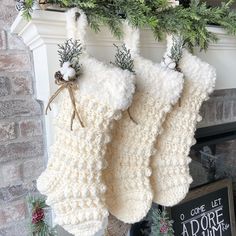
{"x": 216, "y": 203}
{"x": 204, "y": 222}
{"x": 210, "y": 223}
{"x": 185, "y": 231}
{"x": 182, "y": 217}
{"x": 198, "y": 210}
{"x": 217, "y": 229}
{"x": 211, "y": 216}
{"x": 194, "y": 227}
{"x": 225, "y": 227}
{"x": 218, "y": 215}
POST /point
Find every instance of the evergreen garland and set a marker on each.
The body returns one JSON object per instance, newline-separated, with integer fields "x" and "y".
{"x": 191, "y": 23}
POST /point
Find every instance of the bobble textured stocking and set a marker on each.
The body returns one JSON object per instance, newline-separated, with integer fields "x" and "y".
{"x": 170, "y": 165}
{"x": 129, "y": 195}
{"x": 72, "y": 180}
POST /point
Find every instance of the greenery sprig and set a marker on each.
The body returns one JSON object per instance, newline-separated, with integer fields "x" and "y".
{"x": 177, "y": 49}
{"x": 159, "y": 223}
{"x": 123, "y": 58}
{"x": 70, "y": 51}
{"x": 191, "y": 23}
{"x": 38, "y": 224}
{"x": 26, "y": 7}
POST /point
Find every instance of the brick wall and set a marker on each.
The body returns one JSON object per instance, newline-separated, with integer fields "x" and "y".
{"x": 21, "y": 128}
{"x": 220, "y": 108}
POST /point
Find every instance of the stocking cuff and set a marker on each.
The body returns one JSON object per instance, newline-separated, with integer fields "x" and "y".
{"x": 161, "y": 83}
{"x": 201, "y": 74}
{"x": 107, "y": 84}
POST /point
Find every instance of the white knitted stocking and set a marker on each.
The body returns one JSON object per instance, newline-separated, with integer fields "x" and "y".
{"x": 73, "y": 180}
{"x": 170, "y": 165}
{"x": 129, "y": 195}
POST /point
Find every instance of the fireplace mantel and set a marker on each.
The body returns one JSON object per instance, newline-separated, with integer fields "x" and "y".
{"x": 48, "y": 28}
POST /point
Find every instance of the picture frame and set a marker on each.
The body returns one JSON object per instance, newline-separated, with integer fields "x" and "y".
{"x": 203, "y": 209}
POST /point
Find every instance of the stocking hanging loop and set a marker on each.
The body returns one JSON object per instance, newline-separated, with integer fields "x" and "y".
{"x": 77, "y": 25}
{"x": 131, "y": 38}
{"x": 174, "y": 47}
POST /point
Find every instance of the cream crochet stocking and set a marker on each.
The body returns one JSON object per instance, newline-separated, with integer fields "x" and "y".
{"x": 129, "y": 195}
{"x": 170, "y": 165}
{"x": 72, "y": 180}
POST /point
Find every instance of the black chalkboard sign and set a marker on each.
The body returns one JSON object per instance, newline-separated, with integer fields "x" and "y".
{"x": 206, "y": 211}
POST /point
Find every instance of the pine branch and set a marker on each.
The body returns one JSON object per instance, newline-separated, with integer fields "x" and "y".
{"x": 123, "y": 58}
{"x": 26, "y": 7}
{"x": 191, "y": 23}
{"x": 40, "y": 227}
{"x": 177, "y": 50}
{"x": 39, "y": 201}
{"x": 70, "y": 52}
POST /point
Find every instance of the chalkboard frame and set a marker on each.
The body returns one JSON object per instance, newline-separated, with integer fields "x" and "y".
{"x": 209, "y": 188}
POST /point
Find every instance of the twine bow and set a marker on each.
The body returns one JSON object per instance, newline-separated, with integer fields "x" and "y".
{"x": 71, "y": 86}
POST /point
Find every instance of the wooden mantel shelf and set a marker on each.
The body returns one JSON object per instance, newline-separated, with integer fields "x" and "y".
{"x": 48, "y": 28}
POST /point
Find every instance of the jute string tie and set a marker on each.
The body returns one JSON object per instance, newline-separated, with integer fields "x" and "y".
{"x": 71, "y": 86}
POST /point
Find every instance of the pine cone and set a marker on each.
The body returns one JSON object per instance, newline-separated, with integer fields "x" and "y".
{"x": 37, "y": 216}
